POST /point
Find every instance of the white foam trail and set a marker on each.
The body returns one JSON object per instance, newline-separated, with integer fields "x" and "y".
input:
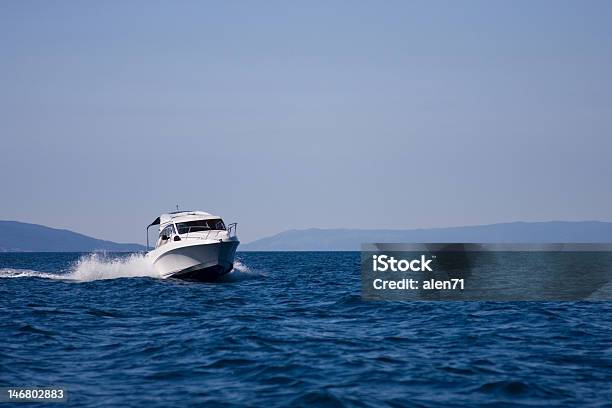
{"x": 91, "y": 267}
{"x": 99, "y": 266}
{"x": 26, "y": 273}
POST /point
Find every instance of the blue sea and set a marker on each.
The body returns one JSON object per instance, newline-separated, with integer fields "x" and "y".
{"x": 285, "y": 329}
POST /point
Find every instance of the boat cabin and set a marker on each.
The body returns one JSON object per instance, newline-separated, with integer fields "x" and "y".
{"x": 189, "y": 224}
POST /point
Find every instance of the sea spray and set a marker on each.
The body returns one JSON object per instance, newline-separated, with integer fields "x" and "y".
{"x": 241, "y": 272}
{"x": 91, "y": 267}
{"x": 239, "y": 266}
{"x": 97, "y": 266}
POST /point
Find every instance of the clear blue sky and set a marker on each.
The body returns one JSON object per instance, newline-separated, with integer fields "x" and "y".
{"x": 284, "y": 115}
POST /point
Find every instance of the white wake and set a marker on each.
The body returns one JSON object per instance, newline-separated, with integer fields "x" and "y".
{"x": 26, "y": 273}
{"x": 91, "y": 267}
{"x": 100, "y": 266}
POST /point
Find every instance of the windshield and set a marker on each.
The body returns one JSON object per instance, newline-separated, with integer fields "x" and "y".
{"x": 200, "y": 225}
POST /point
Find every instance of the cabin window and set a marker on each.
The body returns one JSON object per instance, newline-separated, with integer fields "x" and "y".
{"x": 167, "y": 231}
{"x": 200, "y": 225}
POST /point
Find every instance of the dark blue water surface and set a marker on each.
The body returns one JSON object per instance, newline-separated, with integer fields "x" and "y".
{"x": 287, "y": 329}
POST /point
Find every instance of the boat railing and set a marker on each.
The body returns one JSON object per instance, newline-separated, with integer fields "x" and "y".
{"x": 211, "y": 234}
{"x": 232, "y": 229}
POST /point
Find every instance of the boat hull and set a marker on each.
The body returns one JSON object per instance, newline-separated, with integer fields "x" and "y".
{"x": 200, "y": 260}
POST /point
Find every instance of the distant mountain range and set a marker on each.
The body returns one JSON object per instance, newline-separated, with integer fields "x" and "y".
{"x": 22, "y": 237}
{"x": 315, "y": 239}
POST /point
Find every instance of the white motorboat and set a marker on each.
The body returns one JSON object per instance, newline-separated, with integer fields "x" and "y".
{"x": 193, "y": 245}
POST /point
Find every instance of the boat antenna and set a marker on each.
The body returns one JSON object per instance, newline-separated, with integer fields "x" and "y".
{"x": 177, "y": 208}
